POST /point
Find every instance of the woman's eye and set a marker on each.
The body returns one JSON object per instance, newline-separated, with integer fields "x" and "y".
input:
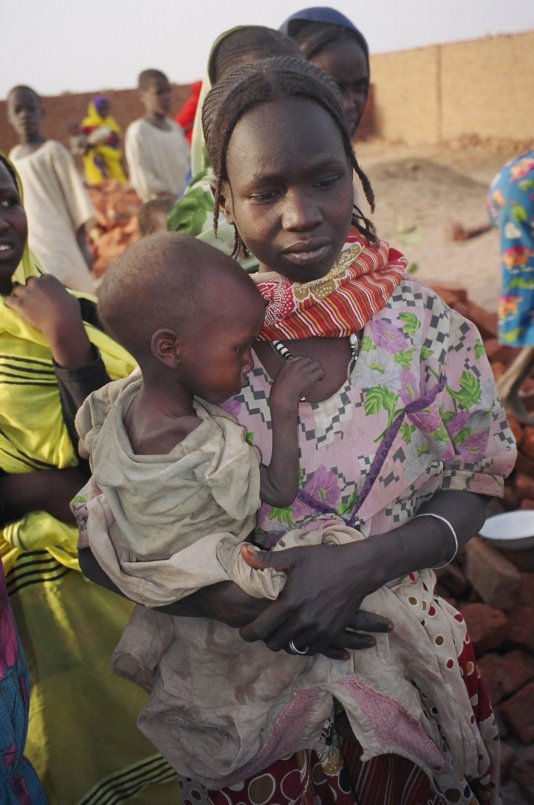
{"x": 264, "y": 195}
{"x": 328, "y": 181}
{"x": 9, "y": 202}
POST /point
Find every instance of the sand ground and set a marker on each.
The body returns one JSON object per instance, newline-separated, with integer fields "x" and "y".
{"x": 419, "y": 191}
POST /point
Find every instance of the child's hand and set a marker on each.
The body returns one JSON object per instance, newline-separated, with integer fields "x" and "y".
{"x": 295, "y": 378}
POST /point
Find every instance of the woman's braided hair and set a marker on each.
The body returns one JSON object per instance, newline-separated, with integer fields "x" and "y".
{"x": 251, "y": 85}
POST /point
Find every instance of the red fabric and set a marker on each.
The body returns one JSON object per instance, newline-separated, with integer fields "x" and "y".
{"x": 186, "y": 114}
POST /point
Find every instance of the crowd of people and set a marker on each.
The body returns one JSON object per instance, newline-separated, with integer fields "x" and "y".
{"x": 228, "y": 472}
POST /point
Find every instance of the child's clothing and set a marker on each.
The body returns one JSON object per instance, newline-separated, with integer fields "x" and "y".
{"x": 57, "y": 205}
{"x": 420, "y": 411}
{"x": 158, "y": 159}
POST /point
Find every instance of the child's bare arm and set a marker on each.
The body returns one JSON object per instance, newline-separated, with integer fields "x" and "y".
{"x": 279, "y": 480}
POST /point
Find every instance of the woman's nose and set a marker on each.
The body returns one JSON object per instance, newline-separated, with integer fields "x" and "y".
{"x": 301, "y": 211}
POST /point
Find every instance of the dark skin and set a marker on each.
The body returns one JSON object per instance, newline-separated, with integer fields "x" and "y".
{"x": 45, "y": 304}
{"x": 289, "y": 192}
{"x": 25, "y": 113}
{"x": 211, "y": 360}
{"x": 277, "y": 187}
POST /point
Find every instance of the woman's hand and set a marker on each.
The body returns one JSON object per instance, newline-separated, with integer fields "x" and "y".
{"x": 45, "y": 303}
{"x": 50, "y": 491}
{"x": 321, "y": 600}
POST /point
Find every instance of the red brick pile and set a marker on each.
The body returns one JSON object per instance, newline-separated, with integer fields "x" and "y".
{"x": 116, "y": 210}
{"x": 494, "y": 590}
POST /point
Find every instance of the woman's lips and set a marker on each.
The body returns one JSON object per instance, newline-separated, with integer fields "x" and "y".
{"x": 307, "y": 253}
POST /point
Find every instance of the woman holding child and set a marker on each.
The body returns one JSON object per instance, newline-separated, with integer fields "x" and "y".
{"x": 402, "y": 439}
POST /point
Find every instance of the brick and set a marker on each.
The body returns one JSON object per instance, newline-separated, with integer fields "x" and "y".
{"x": 512, "y": 794}
{"x": 518, "y": 712}
{"x": 505, "y": 674}
{"x": 526, "y": 589}
{"x": 524, "y": 485}
{"x": 523, "y": 463}
{"x": 508, "y": 756}
{"x": 527, "y": 442}
{"x": 516, "y": 427}
{"x": 487, "y": 626}
{"x": 521, "y": 628}
{"x": 485, "y": 320}
{"x": 495, "y": 579}
{"x": 450, "y": 295}
{"x": 523, "y": 768}
{"x": 523, "y": 560}
{"x": 453, "y": 580}
{"x": 526, "y": 504}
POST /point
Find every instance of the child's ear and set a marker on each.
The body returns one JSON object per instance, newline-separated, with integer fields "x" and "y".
{"x": 226, "y": 205}
{"x": 164, "y": 347}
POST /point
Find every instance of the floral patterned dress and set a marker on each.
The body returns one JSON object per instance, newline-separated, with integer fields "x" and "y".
{"x": 510, "y": 204}
{"x": 418, "y": 413}
{"x": 18, "y": 782}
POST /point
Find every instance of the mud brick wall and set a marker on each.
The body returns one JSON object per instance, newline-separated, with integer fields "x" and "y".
{"x": 481, "y": 87}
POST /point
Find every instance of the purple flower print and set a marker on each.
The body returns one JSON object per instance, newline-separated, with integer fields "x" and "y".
{"x": 8, "y": 637}
{"x": 387, "y": 336}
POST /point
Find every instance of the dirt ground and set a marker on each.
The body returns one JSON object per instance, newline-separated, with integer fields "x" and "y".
{"x": 419, "y": 191}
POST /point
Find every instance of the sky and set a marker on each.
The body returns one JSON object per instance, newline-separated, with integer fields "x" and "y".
{"x": 60, "y": 46}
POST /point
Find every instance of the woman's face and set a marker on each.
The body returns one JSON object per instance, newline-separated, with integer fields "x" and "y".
{"x": 13, "y": 229}
{"x": 289, "y": 188}
{"x": 346, "y": 63}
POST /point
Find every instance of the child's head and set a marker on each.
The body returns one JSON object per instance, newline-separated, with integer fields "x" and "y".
{"x": 247, "y": 43}
{"x": 182, "y": 307}
{"x": 155, "y": 92}
{"x": 284, "y": 96}
{"x": 152, "y": 217}
{"x": 25, "y": 112}
{"x": 332, "y": 42}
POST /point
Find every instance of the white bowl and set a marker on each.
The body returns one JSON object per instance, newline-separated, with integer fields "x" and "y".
{"x": 511, "y": 531}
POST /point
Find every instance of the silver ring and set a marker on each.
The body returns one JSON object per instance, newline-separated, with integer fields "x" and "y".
{"x": 296, "y": 650}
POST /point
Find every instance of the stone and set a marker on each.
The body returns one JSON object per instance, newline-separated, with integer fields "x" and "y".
{"x": 496, "y": 580}
{"x": 526, "y": 588}
{"x": 508, "y": 756}
{"x": 523, "y": 769}
{"x": 452, "y": 579}
{"x": 504, "y": 674}
{"x": 521, "y": 628}
{"x": 524, "y": 485}
{"x": 487, "y": 626}
{"x": 518, "y": 712}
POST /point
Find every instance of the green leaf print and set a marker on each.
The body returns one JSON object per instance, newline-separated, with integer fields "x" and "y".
{"x": 411, "y": 323}
{"x": 379, "y": 398}
{"x": 468, "y": 394}
{"x": 283, "y": 516}
{"x": 521, "y": 283}
{"x": 447, "y": 416}
{"x": 404, "y": 357}
{"x": 519, "y": 213}
{"x": 377, "y": 367}
{"x": 346, "y": 508}
{"x": 462, "y": 435}
{"x": 249, "y": 437}
{"x": 406, "y": 431}
{"x": 479, "y": 349}
{"x": 367, "y": 344}
{"x": 526, "y": 184}
{"x": 440, "y": 434}
{"x": 426, "y": 353}
{"x": 423, "y": 450}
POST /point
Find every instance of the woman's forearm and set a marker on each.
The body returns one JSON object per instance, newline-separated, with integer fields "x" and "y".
{"x": 427, "y": 541}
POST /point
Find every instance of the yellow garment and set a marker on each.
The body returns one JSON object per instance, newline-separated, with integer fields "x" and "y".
{"x": 107, "y": 155}
{"x": 82, "y": 738}
{"x": 33, "y": 434}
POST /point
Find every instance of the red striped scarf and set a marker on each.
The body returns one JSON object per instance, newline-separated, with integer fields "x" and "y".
{"x": 359, "y": 284}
